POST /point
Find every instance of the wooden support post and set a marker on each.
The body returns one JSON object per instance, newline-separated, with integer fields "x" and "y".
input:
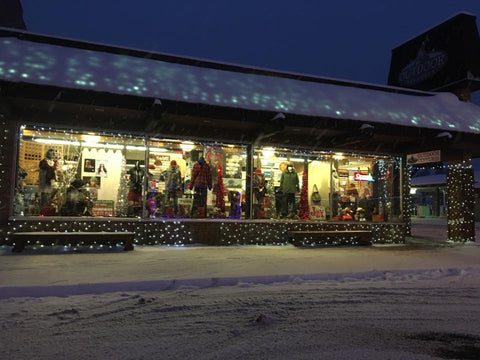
{"x": 249, "y": 193}
{"x": 460, "y": 201}
{"x": 8, "y": 166}
{"x": 464, "y": 94}
{"x": 406, "y": 197}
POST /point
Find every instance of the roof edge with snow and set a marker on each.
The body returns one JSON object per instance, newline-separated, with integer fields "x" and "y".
{"x": 46, "y": 60}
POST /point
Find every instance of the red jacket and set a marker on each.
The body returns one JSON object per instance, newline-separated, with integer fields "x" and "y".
{"x": 201, "y": 176}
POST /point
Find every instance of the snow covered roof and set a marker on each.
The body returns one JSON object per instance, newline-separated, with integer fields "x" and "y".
{"x": 38, "y": 59}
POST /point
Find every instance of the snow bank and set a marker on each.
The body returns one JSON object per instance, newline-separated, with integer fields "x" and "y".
{"x": 398, "y": 315}
{"x": 163, "y": 285}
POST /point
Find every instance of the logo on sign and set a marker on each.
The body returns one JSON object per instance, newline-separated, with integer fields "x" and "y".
{"x": 362, "y": 177}
{"x": 424, "y": 66}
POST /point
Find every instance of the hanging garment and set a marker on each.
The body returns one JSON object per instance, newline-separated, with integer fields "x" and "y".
{"x": 289, "y": 182}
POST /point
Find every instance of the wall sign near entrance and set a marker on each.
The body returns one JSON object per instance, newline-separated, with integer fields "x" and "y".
{"x": 424, "y": 157}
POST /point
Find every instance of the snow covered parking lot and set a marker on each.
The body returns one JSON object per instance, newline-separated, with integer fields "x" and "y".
{"x": 419, "y": 301}
{"x": 432, "y": 314}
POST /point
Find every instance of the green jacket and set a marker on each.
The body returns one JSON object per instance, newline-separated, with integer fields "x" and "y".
{"x": 289, "y": 183}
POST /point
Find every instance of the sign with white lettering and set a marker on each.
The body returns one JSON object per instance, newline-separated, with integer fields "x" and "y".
{"x": 362, "y": 177}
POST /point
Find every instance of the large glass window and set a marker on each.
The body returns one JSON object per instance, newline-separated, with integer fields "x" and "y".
{"x": 291, "y": 184}
{"x": 196, "y": 180}
{"x": 68, "y": 173}
{"x": 288, "y": 184}
{"x": 365, "y": 188}
{"x": 65, "y": 173}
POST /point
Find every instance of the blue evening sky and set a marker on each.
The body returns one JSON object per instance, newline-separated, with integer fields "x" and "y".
{"x": 346, "y": 39}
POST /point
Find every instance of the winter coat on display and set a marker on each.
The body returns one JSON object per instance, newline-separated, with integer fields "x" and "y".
{"x": 201, "y": 176}
{"x": 258, "y": 180}
{"x": 172, "y": 178}
{"x": 136, "y": 177}
{"x": 271, "y": 197}
{"x": 259, "y": 190}
{"x": 289, "y": 182}
{"x": 46, "y": 172}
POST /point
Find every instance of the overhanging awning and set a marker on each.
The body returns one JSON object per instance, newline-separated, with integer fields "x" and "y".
{"x": 47, "y": 61}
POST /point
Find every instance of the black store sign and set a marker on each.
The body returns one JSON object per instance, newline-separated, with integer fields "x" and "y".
{"x": 447, "y": 57}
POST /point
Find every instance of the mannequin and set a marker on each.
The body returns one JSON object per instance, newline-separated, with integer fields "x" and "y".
{"x": 271, "y": 199}
{"x": 335, "y": 180}
{"x": 201, "y": 180}
{"x": 235, "y": 199}
{"x": 289, "y": 185}
{"x": 367, "y": 204}
{"x": 173, "y": 181}
{"x": 47, "y": 175}
{"x": 336, "y": 194}
{"x": 258, "y": 194}
{"x": 135, "y": 188}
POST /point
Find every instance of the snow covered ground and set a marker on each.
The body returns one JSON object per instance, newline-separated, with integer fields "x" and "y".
{"x": 419, "y": 301}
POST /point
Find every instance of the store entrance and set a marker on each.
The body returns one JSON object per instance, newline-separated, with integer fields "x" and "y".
{"x": 429, "y": 201}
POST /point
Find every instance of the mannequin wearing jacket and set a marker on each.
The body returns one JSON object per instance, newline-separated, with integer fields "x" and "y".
{"x": 259, "y": 191}
{"x": 289, "y": 185}
{"x": 173, "y": 182}
{"x": 336, "y": 194}
{"x": 135, "y": 185}
{"x": 47, "y": 174}
{"x": 200, "y": 181}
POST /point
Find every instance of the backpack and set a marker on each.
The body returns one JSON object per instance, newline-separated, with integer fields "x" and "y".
{"x": 316, "y": 198}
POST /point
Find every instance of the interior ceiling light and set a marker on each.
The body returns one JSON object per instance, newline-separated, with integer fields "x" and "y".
{"x": 155, "y": 149}
{"x": 187, "y": 145}
{"x": 91, "y": 138}
{"x": 57, "y": 142}
{"x": 136, "y": 148}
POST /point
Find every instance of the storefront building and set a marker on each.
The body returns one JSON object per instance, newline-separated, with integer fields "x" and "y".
{"x": 178, "y": 151}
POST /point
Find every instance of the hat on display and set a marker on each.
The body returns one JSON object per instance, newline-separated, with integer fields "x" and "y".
{"x": 77, "y": 183}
